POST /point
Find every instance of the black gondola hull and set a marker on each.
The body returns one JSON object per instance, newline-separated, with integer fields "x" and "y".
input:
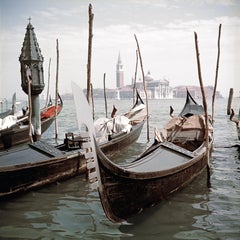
{"x": 20, "y": 134}
{"x": 29, "y": 167}
{"x": 127, "y": 193}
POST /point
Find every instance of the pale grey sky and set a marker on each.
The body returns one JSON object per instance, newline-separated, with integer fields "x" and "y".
{"x": 165, "y": 31}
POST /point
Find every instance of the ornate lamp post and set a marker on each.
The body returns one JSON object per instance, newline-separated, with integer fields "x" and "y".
{"x": 31, "y": 61}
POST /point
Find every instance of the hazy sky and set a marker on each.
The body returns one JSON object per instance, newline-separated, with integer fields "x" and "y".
{"x": 164, "y": 28}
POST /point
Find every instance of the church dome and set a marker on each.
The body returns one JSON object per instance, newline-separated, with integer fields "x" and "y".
{"x": 149, "y": 77}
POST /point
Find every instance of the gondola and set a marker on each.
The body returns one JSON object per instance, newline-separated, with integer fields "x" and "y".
{"x": 168, "y": 165}
{"x": 236, "y": 121}
{"x": 37, "y": 164}
{"x": 18, "y": 132}
{"x": 121, "y": 130}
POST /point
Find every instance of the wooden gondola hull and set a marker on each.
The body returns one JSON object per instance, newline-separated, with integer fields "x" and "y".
{"x": 125, "y": 197}
{"x": 21, "y": 178}
{"x": 20, "y": 134}
{"x": 30, "y": 168}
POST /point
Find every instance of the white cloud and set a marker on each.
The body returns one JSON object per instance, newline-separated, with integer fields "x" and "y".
{"x": 165, "y": 37}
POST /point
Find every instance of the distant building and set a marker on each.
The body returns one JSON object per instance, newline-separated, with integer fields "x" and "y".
{"x": 195, "y": 91}
{"x": 119, "y": 73}
{"x": 156, "y": 89}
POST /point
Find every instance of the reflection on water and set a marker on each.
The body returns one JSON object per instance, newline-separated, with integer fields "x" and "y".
{"x": 62, "y": 210}
{"x": 172, "y": 216}
{"x": 70, "y": 210}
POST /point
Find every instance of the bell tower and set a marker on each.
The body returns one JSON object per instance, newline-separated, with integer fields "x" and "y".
{"x": 119, "y": 73}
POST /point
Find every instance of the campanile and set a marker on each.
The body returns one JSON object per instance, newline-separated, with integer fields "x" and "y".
{"x": 119, "y": 73}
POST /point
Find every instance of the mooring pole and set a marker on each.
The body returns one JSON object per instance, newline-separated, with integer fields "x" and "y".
{"x": 104, "y": 91}
{"x": 204, "y": 104}
{"x": 48, "y": 82}
{"x": 90, "y": 36}
{"x": 216, "y": 76}
{"x": 29, "y": 103}
{"x": 135, "y": 78}
{"x": 229, "y": 106}
{"x": 93, "y": 108}
{"x": 144, "y": 84}
{"x": 56, "y": 92}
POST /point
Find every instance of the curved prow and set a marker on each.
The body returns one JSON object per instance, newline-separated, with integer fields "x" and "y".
{"x": 191, "y": 107}
{"x": 60, "y": 100}
{"x": 113, "y": 111}
{"x": 233, "y": 118}
{"x": 138, "y": 100}
{"x": 171, "y": 112}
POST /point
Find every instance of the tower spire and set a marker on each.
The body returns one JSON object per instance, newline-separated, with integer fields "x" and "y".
{"x": 119, "y": 72}
{"x": 119, "y": 58}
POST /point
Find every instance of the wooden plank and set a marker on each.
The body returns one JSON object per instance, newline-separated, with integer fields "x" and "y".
{"x": 176, "y": 148}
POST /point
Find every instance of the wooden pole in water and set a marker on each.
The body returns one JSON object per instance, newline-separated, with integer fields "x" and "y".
{"x": 93, "y": 108}
{"x": 104, "y": 91}
{"x": 29, "y": 103}
{"x": 144, "y": 84}
{"x": 216, "y": 76}
{"x": 204, "y": 103}
{"x": 90, "y": 36}
{"x": 135, "y": 78}
{"x": 48, "y": 82}
{"x": 56, "y": 92}
{"x": 229, "y": 106}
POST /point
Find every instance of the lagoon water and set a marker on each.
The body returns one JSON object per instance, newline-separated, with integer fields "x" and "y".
{"x": 71, "y": 210}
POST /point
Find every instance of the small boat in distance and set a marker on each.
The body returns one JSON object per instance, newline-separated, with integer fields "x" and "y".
{"x": 165, "y": 167}
{"x": 18, "y": 131}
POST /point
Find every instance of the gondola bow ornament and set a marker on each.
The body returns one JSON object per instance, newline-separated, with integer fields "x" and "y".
{"x": 84, "y": 117}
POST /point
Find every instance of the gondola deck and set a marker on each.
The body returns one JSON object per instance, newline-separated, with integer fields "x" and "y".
{"x": 164, "y": 158}
{"x": 39, "y": 152}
